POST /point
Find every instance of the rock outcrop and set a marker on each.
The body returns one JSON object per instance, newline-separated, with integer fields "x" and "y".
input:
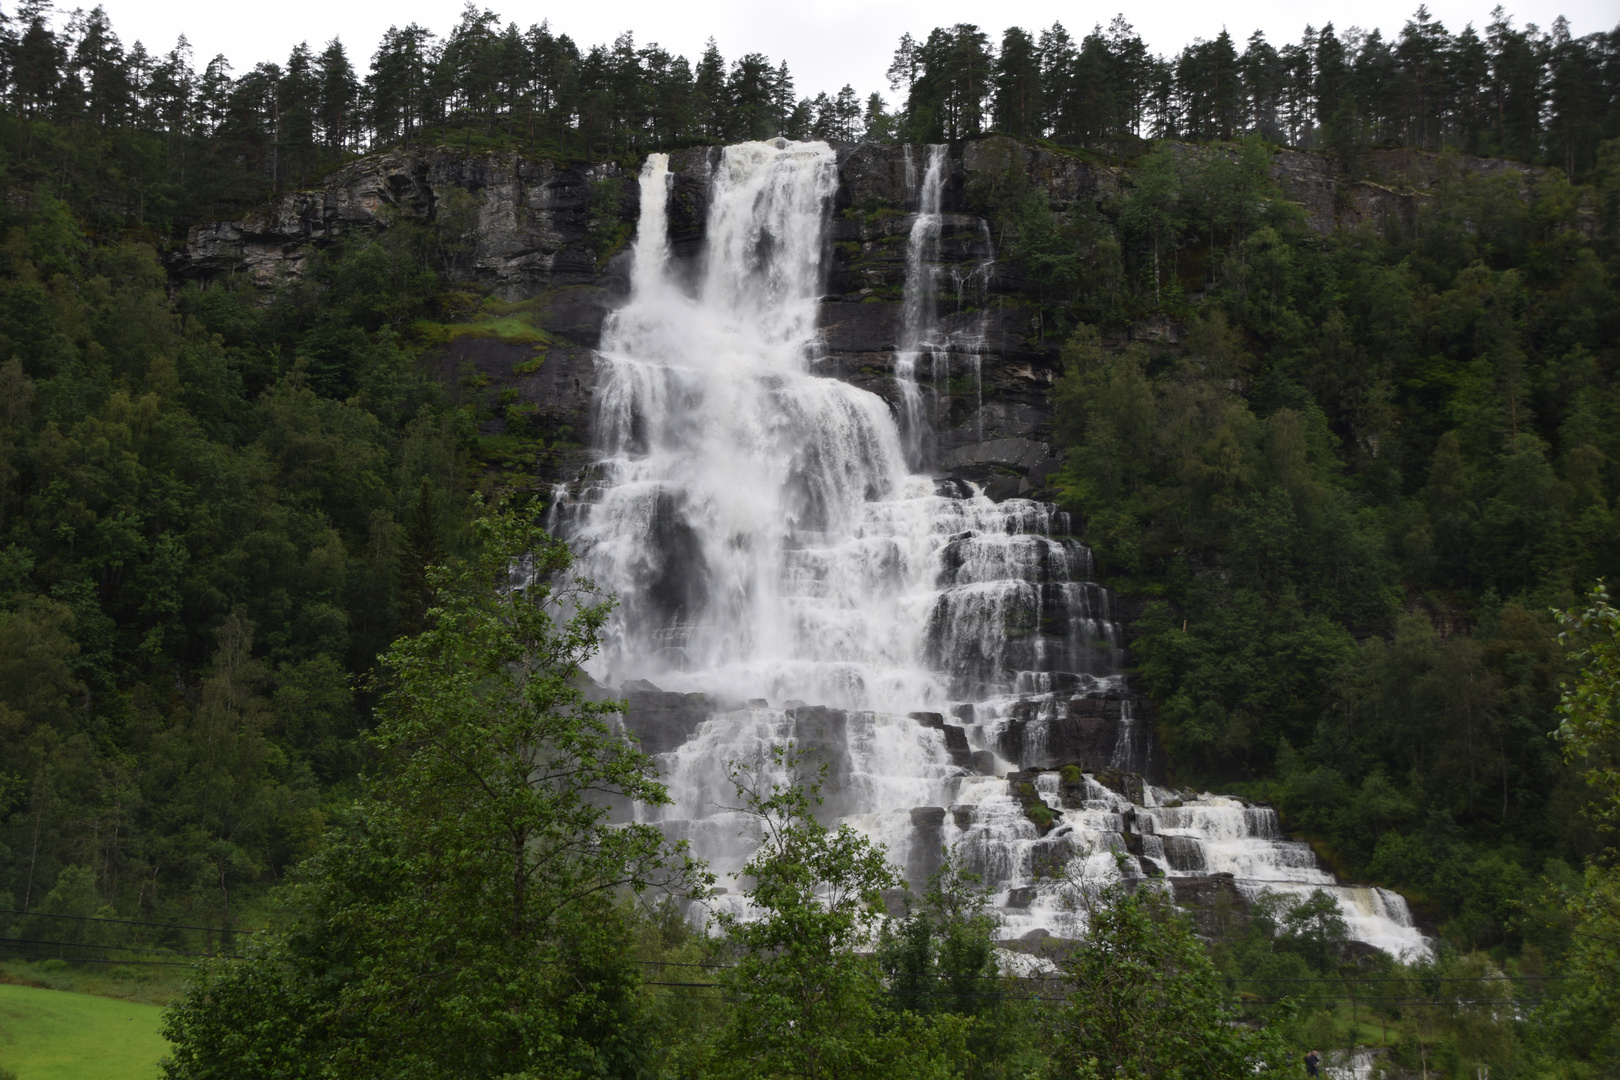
{"x": 556, "y": 236}
{"x": 528, "y": 225}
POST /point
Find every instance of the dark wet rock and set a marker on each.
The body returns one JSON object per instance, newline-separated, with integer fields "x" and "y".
{"x": 927, "y": 851}
{"x": 1002, "y": 488}
{"x": 1121, "y": 783}
{"x": 822, "y": 735}
{"x": 1050, "y": 854}
{"x": 1021, "y": 898}
{"x": 1213, "y": 901}
{"x": 1090, "y": 727}
{"x": 1072, "y": 784}
{"x": 691, "y": 173}
{"x": 662, "y": 721}
{"x": 1107, "y": 728}
{"x": 956, "y": 741}
{"x": 877, "y": 176}
{"x": 1067, "y": 179}
{"x": 1185, "y": 854}
{"x": 1021, "y": 785}
{"x": 529, "y": 223}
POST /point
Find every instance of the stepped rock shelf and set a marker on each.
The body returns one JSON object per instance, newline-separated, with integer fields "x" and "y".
{"x": 783, "y": 537}
{"x": 815, "y": 420}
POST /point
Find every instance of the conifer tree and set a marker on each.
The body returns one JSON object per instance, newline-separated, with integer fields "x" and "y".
{"x": 338, "y": 98}
{"x": 1018, "y": 109}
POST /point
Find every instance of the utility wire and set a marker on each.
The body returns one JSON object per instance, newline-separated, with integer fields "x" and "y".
{"x": 120, "y": 948}
{"x": 1409, "y": 979}
{"x": 126, "y": 922}
{"x": 1231, "y": 978}
{"x": 89, "y": 960}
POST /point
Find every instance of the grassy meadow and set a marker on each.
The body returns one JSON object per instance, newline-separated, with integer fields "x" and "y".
{"x": 50, "y": 1034}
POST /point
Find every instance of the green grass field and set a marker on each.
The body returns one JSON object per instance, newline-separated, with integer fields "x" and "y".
{"x": 56, "y": 1035}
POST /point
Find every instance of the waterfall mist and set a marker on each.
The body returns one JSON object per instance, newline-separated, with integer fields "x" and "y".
{"x": 778, "y": 548}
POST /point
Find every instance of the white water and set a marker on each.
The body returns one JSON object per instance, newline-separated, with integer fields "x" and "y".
{"x": 923, "y": 336}
{"x": 919, "y": 301}
{"x": 770, "y": 543}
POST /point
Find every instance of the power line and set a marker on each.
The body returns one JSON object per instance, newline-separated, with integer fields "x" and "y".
{"x": 1408, "y": 979}
{"x": 119, "y": 948}
{"x": 1515, "y": 1002}
{"x": 1326, "y": 982}
{"x": 90, "y": 960}
{"x": 126, "y": 922}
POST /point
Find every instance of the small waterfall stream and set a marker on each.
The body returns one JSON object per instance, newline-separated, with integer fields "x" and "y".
{"x": 918, "y": 304}
{"x": 787, "y": 571}
{"x": 923, "y": 335}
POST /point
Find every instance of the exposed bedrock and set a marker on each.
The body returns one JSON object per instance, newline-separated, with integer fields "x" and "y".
{"x": 557, "y": 234}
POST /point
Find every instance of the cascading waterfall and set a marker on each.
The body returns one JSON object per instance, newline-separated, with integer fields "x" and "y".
{"x": 923, "y": 337}
{"x": 775, "y": 549}
{"x": 919, "y": 302}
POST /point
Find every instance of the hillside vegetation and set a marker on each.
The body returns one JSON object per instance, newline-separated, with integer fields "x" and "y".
{"x": 1354, "y": 473}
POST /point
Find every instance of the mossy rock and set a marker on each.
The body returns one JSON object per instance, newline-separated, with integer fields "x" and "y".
{"x": 512, "y": 324}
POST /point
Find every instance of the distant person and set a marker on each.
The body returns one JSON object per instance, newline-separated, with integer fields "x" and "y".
{"x": 1313, "y": 1063}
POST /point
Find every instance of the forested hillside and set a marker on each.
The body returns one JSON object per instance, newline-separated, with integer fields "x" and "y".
{"x": 1352, "y": 473}
{"x": 1359, "y": 481}
{"x": 168, "y": 138}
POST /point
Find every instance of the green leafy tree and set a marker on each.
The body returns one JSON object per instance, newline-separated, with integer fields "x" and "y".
{"x": 465, "y": 923}
{"x": 941, "y": 955}
{"x": 941, "y": 968}
{"x": 1145, "y": 1001}
{"x": 807, "y": 990}
{"x": 1590, "y": 709}
{"x": 1586, "y": 1017}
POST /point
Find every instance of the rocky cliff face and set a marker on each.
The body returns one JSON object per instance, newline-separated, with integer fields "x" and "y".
{"x": 536, "y": 231}
{"x": 530, "y": 223}
{"x": 557, "y": 236}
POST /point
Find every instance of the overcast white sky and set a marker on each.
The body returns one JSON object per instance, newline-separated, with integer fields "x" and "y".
{"x": 826, "y": 42}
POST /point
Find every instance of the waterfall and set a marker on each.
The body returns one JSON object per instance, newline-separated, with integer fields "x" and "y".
{"x": 919, "y": 302}
{"x": 786, "y": 572}
{"x": 923, "y": 335}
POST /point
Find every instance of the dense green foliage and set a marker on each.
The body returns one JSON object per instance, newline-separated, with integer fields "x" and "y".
{"x": 1523, "y": 93}
{"x": 1145, "y": 1000}
{"x": 465, "y": 922}
{"x": 1353, "y": 472}
{"x": 1358, "y": 475}
{"x": 1590, "y": 731}
{"x": 212, "y": 513}
{"x": 201, "y": 142}
{"x": 1587, "y": 1018}
{"x": 188, "y": 143}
